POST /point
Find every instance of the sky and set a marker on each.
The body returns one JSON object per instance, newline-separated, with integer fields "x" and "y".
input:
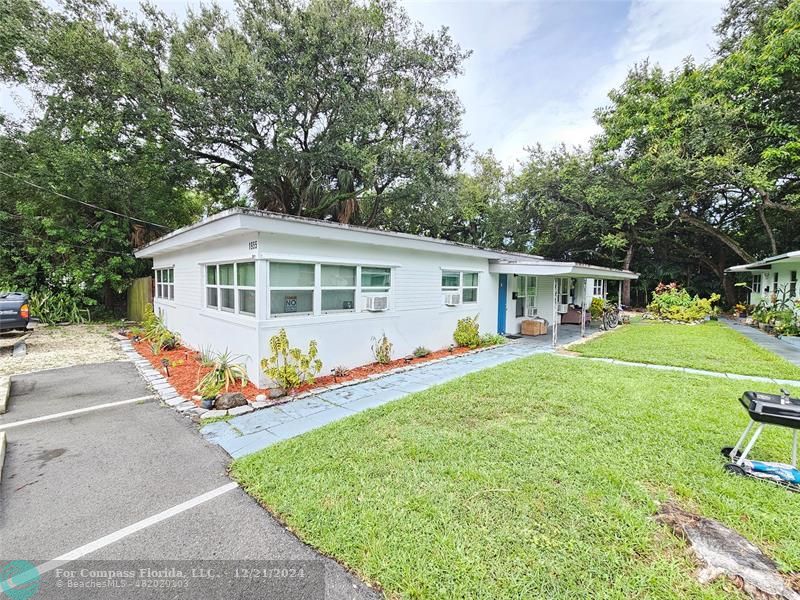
{"x": 539, "y": 68}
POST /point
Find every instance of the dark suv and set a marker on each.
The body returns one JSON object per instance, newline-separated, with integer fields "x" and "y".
{"x": 14, "y": 311}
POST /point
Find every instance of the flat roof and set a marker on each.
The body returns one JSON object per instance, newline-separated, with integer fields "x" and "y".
{"x": 765, "y": 264}
{"x": 247, "y": 219}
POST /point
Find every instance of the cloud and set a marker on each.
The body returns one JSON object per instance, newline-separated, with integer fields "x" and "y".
{"x": 664, "y": 31}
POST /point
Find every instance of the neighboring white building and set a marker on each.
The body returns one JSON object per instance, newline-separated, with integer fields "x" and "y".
{"x": 772, "y": 275}
{"x": 234, "y": 279}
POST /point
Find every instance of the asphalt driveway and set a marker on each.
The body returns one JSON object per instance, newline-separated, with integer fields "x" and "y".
{"x": 113, "y": 484}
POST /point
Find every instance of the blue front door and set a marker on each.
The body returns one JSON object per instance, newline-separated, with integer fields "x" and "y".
{"x": 502, "y": 300}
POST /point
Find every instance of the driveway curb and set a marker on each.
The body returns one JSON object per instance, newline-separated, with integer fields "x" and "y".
{"x": 5, "y": 391}
{"x": 2, "y": 452}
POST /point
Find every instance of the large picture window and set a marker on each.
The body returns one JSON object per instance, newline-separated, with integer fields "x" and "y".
{"x": 463, "y": 282}
{"x": 291, "y": 288}
{"x": 165, "y": 284}
{"x": 231, "y": 287}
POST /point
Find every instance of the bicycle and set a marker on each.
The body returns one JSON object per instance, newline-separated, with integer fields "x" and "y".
{"x": 612, "y": 315}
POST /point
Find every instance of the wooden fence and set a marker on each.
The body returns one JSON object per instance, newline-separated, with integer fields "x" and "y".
{"x": 140, "y": 294}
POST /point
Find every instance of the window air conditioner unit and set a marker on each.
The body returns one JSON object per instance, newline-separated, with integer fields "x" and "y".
{"x": 563, "y": 309}
{"x": 533, "y": 311}
{"x": 452, "y": 299}
{"x": 376, "y": 303}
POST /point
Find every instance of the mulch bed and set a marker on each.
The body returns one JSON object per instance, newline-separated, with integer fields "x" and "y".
{"x": 185, "y": 371}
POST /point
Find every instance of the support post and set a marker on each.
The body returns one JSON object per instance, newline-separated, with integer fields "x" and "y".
{"x": 583, "y": 310}
{"x": 556, "y": 316}
{"x": 619, "y": 296}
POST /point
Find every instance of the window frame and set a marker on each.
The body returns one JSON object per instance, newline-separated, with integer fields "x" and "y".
{"x": 756, "y": 283}
{"x": 526, "y": 296}
{"x": 461, "y": 287}
{"x": 235, "y": 287}
{"x": 323, "y": 288}
{"x": 164, "y": 289}
{"x": 603, "y": 289}
{"x": 792, "y": 284}
{"x": 299, "y": 288}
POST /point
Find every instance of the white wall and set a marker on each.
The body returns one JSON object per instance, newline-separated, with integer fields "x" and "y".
{"x": 417, "y": 315}
{"x": 784, "y": 273}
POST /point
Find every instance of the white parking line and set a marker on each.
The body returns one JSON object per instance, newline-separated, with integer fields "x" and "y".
{"x": 32, "y": 574}
{"x": 77, "y": 411}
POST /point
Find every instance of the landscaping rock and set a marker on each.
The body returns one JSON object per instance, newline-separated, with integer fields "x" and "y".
{"x": 724, "y": 552}
{"x": 276, "y": 392}
{"x": 211, "y": 414}
{"x": 261, "y": 398}
{"x": 230, "y": 400}
{"x": 175, "y": 401}
{"x": 240, "y": 410}
{"x": 183, "y": 407}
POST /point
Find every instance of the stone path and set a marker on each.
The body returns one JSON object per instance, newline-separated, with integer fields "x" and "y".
{"x": 770, "y": 342}
{"x": 256, "y": 430}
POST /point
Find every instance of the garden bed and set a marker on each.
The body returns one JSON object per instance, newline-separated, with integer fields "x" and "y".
{"x": 185, "y": 371}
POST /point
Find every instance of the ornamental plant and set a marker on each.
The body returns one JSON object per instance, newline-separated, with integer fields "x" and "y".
{"x": 597, "y": 307}
{"x": 289, "y": 367}
{"x": 382, "y": 349}
{"x": 225, "y": 371}
{"x": 673, "y": 303}
{"x": 466, "y": 333}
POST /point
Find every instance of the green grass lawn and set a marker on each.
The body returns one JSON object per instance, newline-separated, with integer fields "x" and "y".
{"x": 711, "y": 346}
{"x": 538, "y": 478}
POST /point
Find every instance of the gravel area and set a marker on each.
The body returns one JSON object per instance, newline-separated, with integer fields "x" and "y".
{"x": 56, "y": 347}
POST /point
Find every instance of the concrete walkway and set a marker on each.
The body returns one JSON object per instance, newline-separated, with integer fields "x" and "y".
{"x": 256, "y": 430}
{"x": 625, "y": 363}
{"x": 769, "y": 342}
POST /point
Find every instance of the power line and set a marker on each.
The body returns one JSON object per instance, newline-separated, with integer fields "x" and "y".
{"x": 89, "y": 204}
{"x": 44, "y": 239}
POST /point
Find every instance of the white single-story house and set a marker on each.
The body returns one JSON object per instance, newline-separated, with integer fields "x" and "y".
{"x": 233, "y": 280}
{"x": 772, "y": 275}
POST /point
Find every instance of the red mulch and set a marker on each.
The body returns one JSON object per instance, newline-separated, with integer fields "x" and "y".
{"x": 185, "y": 370}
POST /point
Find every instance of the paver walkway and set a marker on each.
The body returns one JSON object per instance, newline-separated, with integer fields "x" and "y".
{"x": 783, "y": 349}
{"x": 256, "y": 430}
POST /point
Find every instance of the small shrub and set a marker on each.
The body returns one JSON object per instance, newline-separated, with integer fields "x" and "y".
{"x": 155, "y": 348}
{"x": 597, "y": 307}
{"x": 210, "y": 389}
{"x": 382, "y": 349}
{"x": 466, "y": 333}
{"x": 288, "y": 367}
{"x": 492, "y": 339}
{"x": 421, "y": 352}
{"x": 340, "y": 371}
{"x": 52, "y": 308}
{"x": 205, "y": 356}
{"x": 225, "y": 371}
{"x": 673, "y": 303}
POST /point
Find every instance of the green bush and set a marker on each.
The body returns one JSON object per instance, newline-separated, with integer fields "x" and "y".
{"x": 421, "y": 352}
{"x": 52, "y": 308}
{"x": 288, "y": 367}
{"x": 597, "y": 307}
{"x": 466, "y": 333}
{"x": 492, "y": 339}
{"x": 673, "y": 303}
{"x": 154, "y": 331}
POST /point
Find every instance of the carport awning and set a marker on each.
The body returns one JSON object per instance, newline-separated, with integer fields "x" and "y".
{"x": 567, "y": 269}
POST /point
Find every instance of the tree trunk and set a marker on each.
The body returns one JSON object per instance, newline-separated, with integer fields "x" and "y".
{"x": 626, "y": 284}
